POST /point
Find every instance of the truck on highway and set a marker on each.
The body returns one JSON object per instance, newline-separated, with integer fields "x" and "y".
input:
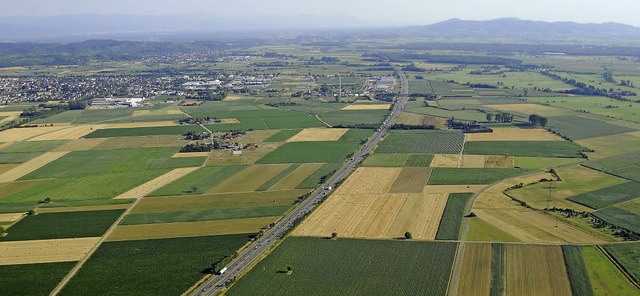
{"x": 222, "y": 271}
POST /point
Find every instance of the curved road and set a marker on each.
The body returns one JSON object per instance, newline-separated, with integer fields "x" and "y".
{"x": 241, "y": 263}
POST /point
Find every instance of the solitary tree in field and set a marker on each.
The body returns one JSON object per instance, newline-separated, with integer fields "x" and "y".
{"x": 334, "y": 235}
{"x": 408, "y": 235}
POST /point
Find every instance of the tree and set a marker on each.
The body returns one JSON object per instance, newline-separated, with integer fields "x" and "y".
{"x": 543, "y": 121}
{"x": 193, "y": 189}
{"x": 408, "y": 235}
{"x": 334, "y": 235}
{"x": 489, "y": 117}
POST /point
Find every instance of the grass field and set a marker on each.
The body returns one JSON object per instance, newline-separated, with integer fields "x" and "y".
{"x": 476, "y": 274}
{"x": 350, "y": 267}
{"x": 524, "y": 148}
{"x": 249, "y": 179}
{"x": 425, "y": 142}
{"x": 12, "y": 158}
{"x": 480, "y": 230}
{"x": 144, "y": 131}
{"x": 155, "y": 184}
{"x": 199, "y": 181}
{"x": 305, "y": 152}
{"x": 607, "y": 146}
{"x": 605, "y": 278}
{"x": 451, "y": 221}
{"x": 32, "y": 279}
{"x": 277, "y": 178}
{"x": 354, "y": 117}
{"x": 296, "y": 177}
{"x": 33, "y": 146}
{"x": 609, "y": 196}
{"x": 205, "y": 215}
{"x": 572, "y": 126}
{"x": 526, "y": 162}
{"x": 464, "y": 176}
{"x": 577, "y": 270}
{"x": 317, "y": 178}
{"x": 57, "y": 225}
{"x": 596, "y": 105}
{"x": 536, "y": 270}
{"x": 628, "y": 256}
{"x": 162, "y": 267}
{"x": 30, "y": 166}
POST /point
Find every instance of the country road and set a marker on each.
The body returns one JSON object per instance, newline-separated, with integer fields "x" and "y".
{"x": 254, "y": 252}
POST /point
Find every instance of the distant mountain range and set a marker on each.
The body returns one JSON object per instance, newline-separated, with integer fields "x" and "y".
{"x": 198, "y": 27}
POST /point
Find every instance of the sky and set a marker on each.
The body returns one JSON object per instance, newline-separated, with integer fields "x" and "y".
{"x": 372, "y": 12}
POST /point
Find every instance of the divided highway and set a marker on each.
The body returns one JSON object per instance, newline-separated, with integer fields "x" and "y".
{"x": 280, "y": 229}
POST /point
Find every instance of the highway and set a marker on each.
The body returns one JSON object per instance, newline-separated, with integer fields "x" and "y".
{"x": 253, "y": 253}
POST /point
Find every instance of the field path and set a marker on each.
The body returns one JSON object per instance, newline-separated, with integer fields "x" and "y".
{"x": 30, "y": 166}
{"x": 325, "y": 123}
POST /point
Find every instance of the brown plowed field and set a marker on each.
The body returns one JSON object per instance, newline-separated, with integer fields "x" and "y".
{"x": 514, "y": 134}
{"x": 46, "y": 251}
{"x": 536, "y": 270}
{"x": 475, "y": 276}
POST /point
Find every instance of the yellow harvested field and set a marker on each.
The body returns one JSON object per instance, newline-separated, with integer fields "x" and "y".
{"x": 445, "y": 161}
{"x": 134, "y": 124}
{"x": 82, "y": 208}
{"x": 68, "y": 133}
{"x": 473, "y": 161}
{"x": 371, "y": 180}
{"x": 190, "y": 229}
{"x": 367, "y": 107}
{"x": 80, "y": 144}
{"x": 420, "y": 214}
{"x": 249, "y": 179}
{"x": 525, "y": 224}
{"x": 475, "y": 276}
{"x": 31, "y": 165}
{"x": 21, "y": 134}
{"x": 318, "y": 134}
{"x": 453, "y": 188}
{"x": 525, "y": 108}
{"x": 46, "y": 251}
{"x": 169, "y": 111}
{"x": 536, "y": 270}
{"x": 191, "y": 154}
{"x": 514, "y": 134}
{"x": 156, "y": 183}
{"x": 9, "y": 116}
{"x": 10, "y": 217}
{"x": 296, "y": 177}
{"x": 232, "y": 98}
{"x": 5, "y": 167}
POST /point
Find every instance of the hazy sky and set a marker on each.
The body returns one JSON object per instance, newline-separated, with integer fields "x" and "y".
{"x": 382, "y": 11}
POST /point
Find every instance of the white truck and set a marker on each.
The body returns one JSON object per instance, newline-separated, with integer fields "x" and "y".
{"x": 222, "y": 271}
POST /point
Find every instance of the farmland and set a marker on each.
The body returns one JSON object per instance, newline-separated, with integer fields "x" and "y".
{"x": 476, "y": 274}
{"x": 577, "y": 270}
{"x": 608, "y": 196}
{"x": 347, "y": 266}
{"x": 452, "y": 176}
{"x": 605, "y": 278}
{"x": 452, "y": 217}
{"x": 182, "y": 258}
{"x": 199, "y": 181}
{"x": 143, "y": 131}
{"x": 427, "y": 142}
{"x": 398, "y": 160}
{"x": 32, "y": 279}
{"x": 572, "y": 126}
{"x": 622, "y": 165}
{"x": 627, "y": 255}
{"x": 535, "y": 270}
{"x": 524, "y": 148}
{"x": 56, "y": 225}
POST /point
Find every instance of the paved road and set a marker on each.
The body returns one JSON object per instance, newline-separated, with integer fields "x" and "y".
{"x": 280, "y": 229}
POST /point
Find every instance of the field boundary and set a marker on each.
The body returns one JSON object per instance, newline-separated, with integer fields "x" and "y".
{"x": 618, "y": 266}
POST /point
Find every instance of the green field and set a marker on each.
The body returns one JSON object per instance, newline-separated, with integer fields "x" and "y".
{"x": 624, "y": 165}
{"x": 627, "y": 255}
{"x": 317, "y": 178}
{"x": 498, "y": 269}
{"x": 425, "y": 142}
{"x": 577, "y": 270}
{"x": 620, "y": 217}
{"x": 605, "y": 278}
{"x": 350, "y": 118}
{"x": 317, "y": 152}
{"x": 451, "y": 220}
{"x": 261, "y": 119}
{"x": 596, "y": 105}
{"x": 398, "y": 160}
{"x": 144, "y": 131}
{"x": 462, "y": 176}
{"x": 33, "y": 146}
{"x": 16, "y": 157}
{"x": 62, "y": 225}
{"x": 92, "y": 162}
{"x": 151, "y": 267}
{"x": 93, "y": 187}
{"x": 351, "y": 267}
{"x": 463, "y": 114}
{"x": 205, "y": 215}
{"x": 526, "y": 162}
{"x": 575, "y": 127}
{"x": 525, "y": 148}
{"x": 608, "y": 196}
{"x": 199, "y": 181}
{"x": 32, "y": 279}
{"x": 283, "y": 135}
